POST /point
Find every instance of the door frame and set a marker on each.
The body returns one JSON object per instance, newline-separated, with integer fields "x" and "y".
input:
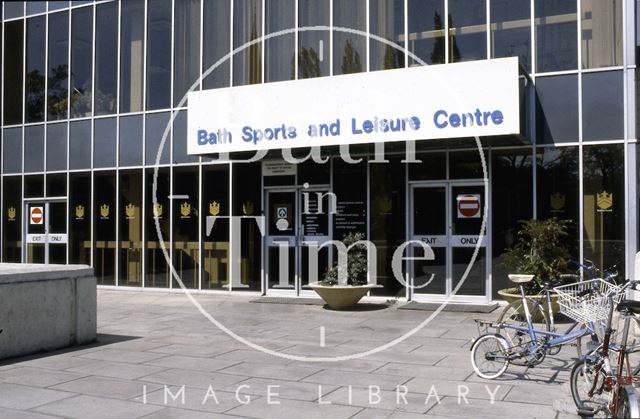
{"x": 45, "y": 201}
{"x": 298, "y": 239}
{"x": 486, "y": 243}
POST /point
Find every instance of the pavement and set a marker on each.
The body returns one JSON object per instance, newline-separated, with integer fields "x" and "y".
{"x": 158, "y": 356}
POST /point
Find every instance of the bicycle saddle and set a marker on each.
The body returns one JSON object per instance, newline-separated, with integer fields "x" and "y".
{"x": 520, "y": 279}
{"x": 631, "y": 306}
{"x": 552, "y": 283}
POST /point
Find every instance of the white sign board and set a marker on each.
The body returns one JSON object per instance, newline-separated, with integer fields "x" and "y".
{"x": 36, "y": 215}
{"x": 278, "y": 168}
{"x": 36, "y": 238}
{"x": 440, "y": 101}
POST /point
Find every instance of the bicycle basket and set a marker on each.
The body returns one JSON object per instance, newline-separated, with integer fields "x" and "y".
{"x": 593, "y": 307}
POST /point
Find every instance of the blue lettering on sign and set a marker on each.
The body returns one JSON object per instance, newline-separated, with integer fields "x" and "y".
{"x": 384, "y": 125}
{"x": 442, "y": 119}
{"x": 255, "y": 135}
{"x": 222, "y": 136}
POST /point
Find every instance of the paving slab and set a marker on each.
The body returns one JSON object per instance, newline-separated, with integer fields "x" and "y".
{"x": 14, "y": 396}
{"x": 98, "y": 408}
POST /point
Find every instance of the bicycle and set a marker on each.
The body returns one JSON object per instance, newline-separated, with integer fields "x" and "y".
{"x": 491, "y": 353}
{"x": 541, "y": 309}
{"x": 599, "y": 385}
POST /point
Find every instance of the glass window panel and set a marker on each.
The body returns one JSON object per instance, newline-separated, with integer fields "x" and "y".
{"x": 157, "y": 270}
{"x": 313, "y": 46}
{"x": 130, "y": 218}
{"x": 187, "y": 47}
{"x": 34, "y": 148}
{"x": 432, "y": 166}
{"x": 511, "y": 30}
{"x": 603, "y": 203}
{"x": 104, "y": 227}
{"x": 247, "y": 198}
{"x": 467, "y": 30}
{"x": 386, "y": 20}
{"x": 13, "y": 74}
{"x": 35, "y": 71}
{"x": 558, "y": 189}
{"x": 603, "y": 106}
{"x": 280, "y": 50}
{"x": 601, "y": 33}
{"x": 132, "y": 56}
{"x": 13, "y": 9}
{"x": 56, "y": 184}
{"x": 180, "y": 140}
{"x": 11, "y": 219}
{"x": 157, "y": 123}
{"x": 58, "y": 64}
{"x": 34, "y": 186}
{"x": 349, "y": 50}
{"x": 216, "y": 42}
{"x": 80, "y": 145}
{"x": 80, "y": 218}
{"x": 81, "y": 2}
{"x": 34, "y": 7}
{"x": 106, "y": 66}
{"x": 247, "y": 26}
{"x": 556, "y": 35}
{"x": 215, "y": 246}
{"x": 12, "y": 150}
{"x": 465, "y": 164}
{"x": 104, "y": 148}
{"x": 56, "y": 5}
{"x": 81, "y": 60}
{"x": 57, "y": 147}
{"x": 426, "y": 30}
{"x": 130, "y": 140}
{"x": 159, "y": 55}
{"x": 185, "y": 226}
{"x": 557, "y": 108}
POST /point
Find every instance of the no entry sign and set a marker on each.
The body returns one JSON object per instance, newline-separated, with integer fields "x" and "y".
{"x": 36, "y": 215}
{"x": 468, "y": 206}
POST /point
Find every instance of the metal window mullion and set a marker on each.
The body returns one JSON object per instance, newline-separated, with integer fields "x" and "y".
{"x": 406, "y": 33}
{"x": 231, "y": 222}
{"x": 296, "y": 41}
{"x": 446, "y": 32}
{"x": 145, "y": 49}
{"x": 630, "y": 170}
{"x": 262, "y": 42}
{"x": 533, "y": 37}
{"x": 231, "y": 57}
{"x": 200, "y": 238}
{"x": 201, "y": 51}
{"x": 488, "y": 30}
{"x": 367, "y": 48}
{"x": 331, "y": 37}
{"x": 119, "y": 49}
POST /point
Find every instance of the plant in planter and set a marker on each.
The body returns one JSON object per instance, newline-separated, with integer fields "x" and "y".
{"x": 346, "y": 283}
{"x": 539, "y": 250}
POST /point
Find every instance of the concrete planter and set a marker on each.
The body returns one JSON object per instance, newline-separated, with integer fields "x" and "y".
{"x": 513, "y": 294}
{"x": 341, "y": 296}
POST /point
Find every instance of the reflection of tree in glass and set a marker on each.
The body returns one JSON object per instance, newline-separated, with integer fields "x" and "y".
{"x": 454, "y": 52}
{"x": 34, "y": 96}
{"x": 437, "y": 53}
{"x": 350, "y": 59}
{"x": 255, "y": 74}
{"x": 308, "y": 63}
{"x": 81, "y": 99}
{"x": 57, "y": 93}
{"x": 392, "y": 58}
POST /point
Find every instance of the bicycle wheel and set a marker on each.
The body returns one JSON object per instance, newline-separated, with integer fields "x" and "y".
{"x": 586, "y": 344}
{"x": 628, "y": 407}
{"x": 581, "y": 381}
{"x": 489, "y": 356}
{"x": 514, "y": 314}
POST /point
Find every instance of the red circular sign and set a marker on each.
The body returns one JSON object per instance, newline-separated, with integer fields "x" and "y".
{"x": 36, "y": 215}
{"x": 468, "y": 205}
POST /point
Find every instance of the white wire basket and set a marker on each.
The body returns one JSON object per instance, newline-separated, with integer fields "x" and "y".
{"x": 592, "y": 307}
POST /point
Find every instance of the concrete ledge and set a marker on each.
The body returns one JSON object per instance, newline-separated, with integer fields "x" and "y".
{"x": 455, "y": 307}
{"x": 45, "y": 307}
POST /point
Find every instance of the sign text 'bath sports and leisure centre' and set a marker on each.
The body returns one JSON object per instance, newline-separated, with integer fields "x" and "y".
{"x": 441, "y": 101}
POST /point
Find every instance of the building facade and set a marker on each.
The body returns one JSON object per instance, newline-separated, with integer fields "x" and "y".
{"x": 89, "y": 90}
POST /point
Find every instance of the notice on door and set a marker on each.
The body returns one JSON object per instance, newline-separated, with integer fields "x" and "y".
{"x": 36, "y": 215}
{"x": 468, "y": 206}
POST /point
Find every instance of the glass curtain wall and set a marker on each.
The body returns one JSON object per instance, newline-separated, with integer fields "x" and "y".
{"x": 11, "y": 219}
{"x": 247, "y": 27}
{"x": 215, "y": 243}
{"x": 186, "y": 56}
{"x": 426, "y": 31}
{"x": 386, "y": 20}
{"x": 130, "y": 228}
{"x": 13, "y": 74}
{"x": 106, "y": 57}
{"x": 279, "y": 53}
{"x": 159, "y": 55}
{"x": 313, "y": 46}
{"x": 467, "y": 30}
{"x": 601, "y": 33}
{"x": 35, "y": 71}
{"x": 216, "y": 42}
{"x": 556, "y": 35}
{"x": 157, "y": 269}
{"x": 81, "y": 61}
{"x": 349, "y": 49}
{"x": 80, "y": 218}
{"x": 104, "y": 227}
{"x": 186, "y": 255}
{"x": 511, "y": 30}
{"x": 131, "y": 56}
{"x": 58, "y": 64}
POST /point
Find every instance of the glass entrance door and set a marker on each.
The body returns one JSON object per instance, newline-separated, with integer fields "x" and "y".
{"x": 298, "y": 224}
{"x": 46, "y": 231}
{"x": 448, "y": 218}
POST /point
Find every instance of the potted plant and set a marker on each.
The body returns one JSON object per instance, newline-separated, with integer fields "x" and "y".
{"x": 339, "y": 293}
{"x": 539, "y": 250}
